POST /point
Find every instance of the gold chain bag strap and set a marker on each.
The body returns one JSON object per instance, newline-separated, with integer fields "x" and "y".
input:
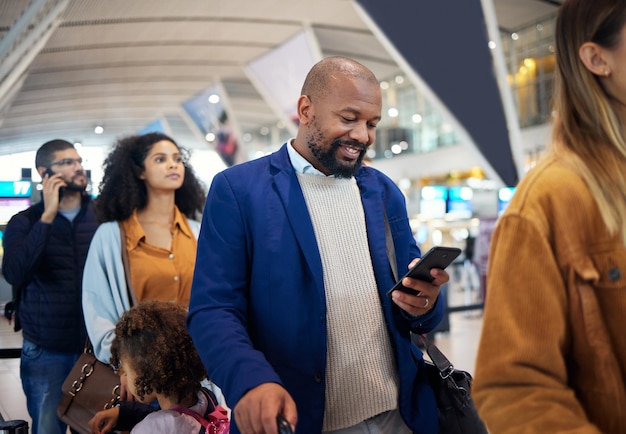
{"x": 92, "y": 386}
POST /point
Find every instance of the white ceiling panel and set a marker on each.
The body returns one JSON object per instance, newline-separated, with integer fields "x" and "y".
{"x": 122, "y": 63}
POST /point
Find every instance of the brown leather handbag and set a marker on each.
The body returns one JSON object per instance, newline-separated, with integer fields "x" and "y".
{"x": 91, "y": 386}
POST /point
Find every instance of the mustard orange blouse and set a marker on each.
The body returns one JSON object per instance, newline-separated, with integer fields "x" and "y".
{"x": 157, "y": 273}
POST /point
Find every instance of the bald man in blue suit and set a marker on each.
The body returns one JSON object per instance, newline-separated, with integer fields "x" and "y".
{"x": 272, "y": 264}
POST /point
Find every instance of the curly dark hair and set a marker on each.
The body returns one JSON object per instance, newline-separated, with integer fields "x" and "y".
{"x": 153, "y": 336}
{"x": 122, "y": 191}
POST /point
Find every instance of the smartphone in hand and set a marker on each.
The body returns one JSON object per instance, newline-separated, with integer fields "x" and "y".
{"x": 49, "y": 172}
{"x": 437, "y": 257}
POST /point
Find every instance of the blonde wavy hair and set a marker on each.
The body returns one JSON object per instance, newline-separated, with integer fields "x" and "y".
{"x": 588, "y": 135}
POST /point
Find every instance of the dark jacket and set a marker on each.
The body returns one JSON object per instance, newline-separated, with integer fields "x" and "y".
{"x": 49, "y": 259}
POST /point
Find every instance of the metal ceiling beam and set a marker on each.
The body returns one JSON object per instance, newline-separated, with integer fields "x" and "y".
{"x": 16, "y": 62}
{"x": 20, "y": 26}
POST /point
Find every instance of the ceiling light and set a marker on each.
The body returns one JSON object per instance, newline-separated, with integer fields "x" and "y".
{"x": 98, "y": 130}
{"x": 210, "y": 137}
{"x": 214, "y": 99}
{"x": 404, "y": 183}
{"x": 393, "y": 112}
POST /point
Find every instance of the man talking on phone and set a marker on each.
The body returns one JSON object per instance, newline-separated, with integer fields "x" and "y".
{"x": 45, "y": 247}
{"x": 288, "y": 308}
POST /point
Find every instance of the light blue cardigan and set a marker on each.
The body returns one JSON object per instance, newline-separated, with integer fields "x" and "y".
{"x": 105, "y": 297}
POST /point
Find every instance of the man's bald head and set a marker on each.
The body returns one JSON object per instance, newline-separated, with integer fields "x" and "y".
{"x": 319, "y": 80}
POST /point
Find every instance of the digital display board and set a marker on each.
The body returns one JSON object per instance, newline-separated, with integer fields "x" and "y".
{"x": 15, "y": 188}
{"x": 460, "y": 201}
{"x": 433, "y": 201}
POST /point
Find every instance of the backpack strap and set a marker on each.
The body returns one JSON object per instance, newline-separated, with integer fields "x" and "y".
{"x": 189, "y": 412}
{"x": 215, "y": 420}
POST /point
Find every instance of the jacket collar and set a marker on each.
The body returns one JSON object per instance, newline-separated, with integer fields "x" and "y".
{"x": 294, "y": 205}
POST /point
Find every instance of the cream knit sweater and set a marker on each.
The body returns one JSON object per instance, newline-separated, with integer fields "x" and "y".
{"x": 361, "y": 377}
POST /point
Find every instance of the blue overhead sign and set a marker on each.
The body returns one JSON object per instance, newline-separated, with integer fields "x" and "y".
{"x": 15, "y": 188}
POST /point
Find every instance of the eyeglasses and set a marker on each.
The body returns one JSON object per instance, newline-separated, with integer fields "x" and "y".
{"x": 67, "y": 162}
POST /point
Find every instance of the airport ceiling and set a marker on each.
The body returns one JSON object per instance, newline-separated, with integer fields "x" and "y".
{"x": 69, "y": 65}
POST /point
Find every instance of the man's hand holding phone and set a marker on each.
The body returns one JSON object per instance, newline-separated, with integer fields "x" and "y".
{"x": 417, "y": 291}
{"x": 52, "y": 183}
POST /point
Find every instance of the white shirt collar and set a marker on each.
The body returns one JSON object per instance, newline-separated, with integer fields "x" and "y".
{"x": 301, "y": 164}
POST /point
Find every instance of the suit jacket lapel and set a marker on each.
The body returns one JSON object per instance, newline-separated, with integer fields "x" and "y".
{"x": 373, "y": 206}
{"x": 293, "y": 202}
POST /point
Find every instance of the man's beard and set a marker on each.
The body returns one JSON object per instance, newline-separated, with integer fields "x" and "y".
{"x": 72, "y": 186}
{"x": 328, "y": 159}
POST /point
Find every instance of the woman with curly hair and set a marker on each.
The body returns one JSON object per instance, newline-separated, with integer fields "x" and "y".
{"x": 153, "y": 349}
{"x": 150, "y": 192}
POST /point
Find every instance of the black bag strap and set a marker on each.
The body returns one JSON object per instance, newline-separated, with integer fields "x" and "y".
{"x": 441, "y": 362}
{"x": 129, "y": 285}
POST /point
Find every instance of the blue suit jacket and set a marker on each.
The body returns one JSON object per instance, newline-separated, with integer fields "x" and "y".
{"x": 258, "y": 310}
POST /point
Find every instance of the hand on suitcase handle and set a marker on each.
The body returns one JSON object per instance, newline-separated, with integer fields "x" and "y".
{"x": 283, "y": 425}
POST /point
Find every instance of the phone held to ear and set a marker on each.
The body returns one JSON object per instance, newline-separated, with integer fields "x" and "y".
{"x": 437, "y": 257}
{"x": 49, "y": 172}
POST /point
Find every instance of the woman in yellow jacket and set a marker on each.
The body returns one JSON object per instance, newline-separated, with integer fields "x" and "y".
{"x": 552, "y": 355}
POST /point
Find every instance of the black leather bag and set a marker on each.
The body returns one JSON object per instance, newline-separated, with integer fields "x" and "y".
{"x": 455, "y": 407}
{"x": 452, "y": 388}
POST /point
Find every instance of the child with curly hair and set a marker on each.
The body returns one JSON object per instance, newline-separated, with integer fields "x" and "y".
{"x": 153, "y": 349}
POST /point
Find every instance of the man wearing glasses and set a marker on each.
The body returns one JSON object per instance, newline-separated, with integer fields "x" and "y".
{"x": 45, "y": 247}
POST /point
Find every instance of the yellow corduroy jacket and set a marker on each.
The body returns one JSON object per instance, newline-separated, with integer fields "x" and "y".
{"x": 552, "y": 355}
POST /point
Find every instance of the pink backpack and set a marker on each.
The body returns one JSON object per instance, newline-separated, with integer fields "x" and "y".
{"x": 217, "y": 422}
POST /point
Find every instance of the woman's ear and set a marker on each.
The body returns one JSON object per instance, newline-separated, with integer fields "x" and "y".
{"x": 595, "y": 58}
